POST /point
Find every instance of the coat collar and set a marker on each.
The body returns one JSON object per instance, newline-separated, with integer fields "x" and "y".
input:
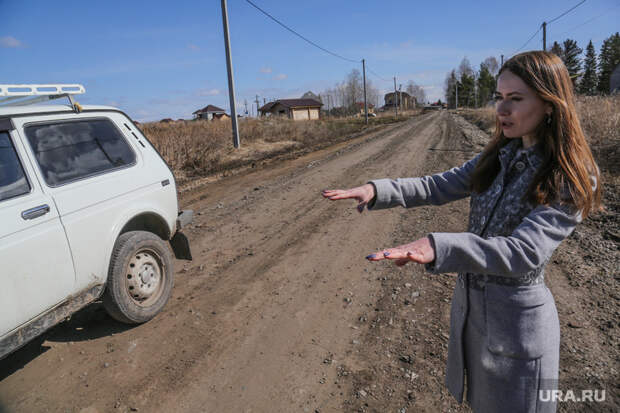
{"x": 533, "y": 154}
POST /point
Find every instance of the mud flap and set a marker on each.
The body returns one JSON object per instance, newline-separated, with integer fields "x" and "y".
{"x": 180, "y": 246}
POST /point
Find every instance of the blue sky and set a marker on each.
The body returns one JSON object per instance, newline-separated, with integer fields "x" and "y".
{"x": 158, "y": 59}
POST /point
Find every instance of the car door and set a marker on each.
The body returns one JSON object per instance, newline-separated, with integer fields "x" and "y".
{"x": 36, "y": 267}
{"x": 94, "y": 174}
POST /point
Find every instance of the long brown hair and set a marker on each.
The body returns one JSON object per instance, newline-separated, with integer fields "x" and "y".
{"x": 568, "y": 164}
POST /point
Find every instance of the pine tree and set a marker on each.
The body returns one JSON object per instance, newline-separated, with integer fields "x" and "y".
{"x": 450, "y": 88}
{"x": 557, "y": 49}
{"x": 486, "y": 84}
{"x": 466, "y": 90}
{"x": 608, "y": 59}
{"x": 587, "y": 86}
{"x": 571, "y": 60}
{"x": 467, "y": 83}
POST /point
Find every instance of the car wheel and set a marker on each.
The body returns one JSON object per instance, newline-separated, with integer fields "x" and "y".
{"x": 140, "y": 278}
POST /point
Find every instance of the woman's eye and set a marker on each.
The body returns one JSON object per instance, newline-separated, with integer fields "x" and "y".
{"x": 497, "y": 98}
{"x": 517, "y": 99}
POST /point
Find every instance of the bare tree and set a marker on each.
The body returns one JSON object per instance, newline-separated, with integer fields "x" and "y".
{"x": 491, "y": 65}
{"x": 465, "y": 68}
{"x": 416, "y": 91}
{"x": 354, "y": 88}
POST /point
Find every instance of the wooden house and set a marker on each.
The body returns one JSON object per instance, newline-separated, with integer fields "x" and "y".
{"x": 211, "y": 112}
{"x": 296, "y": 109}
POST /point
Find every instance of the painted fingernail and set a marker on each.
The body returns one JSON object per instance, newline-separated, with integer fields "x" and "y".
{"x": 385, "y": 254}
{"x": 371, "y": 256}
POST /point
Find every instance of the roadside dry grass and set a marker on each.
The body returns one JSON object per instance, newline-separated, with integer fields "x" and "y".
{"x": 201, "y": 148}
{"x": 600, "y": 120}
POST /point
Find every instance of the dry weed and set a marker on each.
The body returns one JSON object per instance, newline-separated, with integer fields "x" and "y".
{"x": 199, "y": 148}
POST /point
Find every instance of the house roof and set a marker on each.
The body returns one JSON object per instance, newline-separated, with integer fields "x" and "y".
{"x": 267, "y": 107}
{"x": 295, "y": 103}
{"x": 404, "y": 94}
{"x": 292, "y": 103}
{"x": 209, "y": 109}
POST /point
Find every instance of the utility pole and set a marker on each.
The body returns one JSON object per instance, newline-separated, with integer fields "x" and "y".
{"x": 395, "y": 96}
{"x": 231, "y": 81}
{"x": 400, "y": 98}
{"x": 456, "y": 103}
{"x": 502, "y": 64}
{"x": 257, "y": 104}
{"x": 544, "y": 25}
{"x": 245, "y": 102}
{"x": 365, "y": 102}
{"x": 328, "y": 96}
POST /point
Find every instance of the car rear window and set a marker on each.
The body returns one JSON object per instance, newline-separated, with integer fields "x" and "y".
{"x": 67, "y": 151}
{"x": 13, "y": 181}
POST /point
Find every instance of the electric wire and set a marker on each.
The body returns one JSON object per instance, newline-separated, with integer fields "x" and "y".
{"x": 586, "y": 22}
{"x": 549, "y": 22}
{"x": 528, "y": 41}
{"x": 566, "y": 12}
{"x": 299, "y": 35}
{"x": 375, "y": 74}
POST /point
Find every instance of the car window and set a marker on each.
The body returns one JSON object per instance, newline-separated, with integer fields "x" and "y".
{"x": 72, "y": 150}
{"x": 13, "y": 181}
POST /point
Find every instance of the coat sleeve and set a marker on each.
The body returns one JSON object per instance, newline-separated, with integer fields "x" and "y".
{"x": 527, "y": 248}
{"x": 433, "y": 189}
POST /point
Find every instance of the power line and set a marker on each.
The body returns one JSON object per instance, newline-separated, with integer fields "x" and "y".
{"x": 566, "y": 12}
{"x": 528, "y": 40}
{"x": 299, "y": 35}
{"x": 587, "y": 21}
{"x": 550, "y": 21}
{"x": 380, "y": 77}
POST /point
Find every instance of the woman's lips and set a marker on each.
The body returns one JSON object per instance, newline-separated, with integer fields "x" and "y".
{"x": 506, "y": 125}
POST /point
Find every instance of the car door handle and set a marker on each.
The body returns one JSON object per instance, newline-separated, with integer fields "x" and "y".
{"x": 36, "y": 212}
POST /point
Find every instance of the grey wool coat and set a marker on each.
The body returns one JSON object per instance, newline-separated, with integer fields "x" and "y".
{"x": 502, "y": 255}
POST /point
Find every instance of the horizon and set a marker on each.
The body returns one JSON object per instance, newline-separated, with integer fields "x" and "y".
{"x": 170, "y": 62}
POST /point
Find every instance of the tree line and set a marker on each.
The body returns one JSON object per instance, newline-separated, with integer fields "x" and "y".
{"x": 590, "y": 75}
{"x": 343, "y": 98}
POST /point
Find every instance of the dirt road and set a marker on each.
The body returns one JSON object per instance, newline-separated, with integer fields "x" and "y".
{"x": 278, "y": 312}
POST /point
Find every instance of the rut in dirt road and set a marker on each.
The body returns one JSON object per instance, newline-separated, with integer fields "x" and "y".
{"x": 277, "y": 283}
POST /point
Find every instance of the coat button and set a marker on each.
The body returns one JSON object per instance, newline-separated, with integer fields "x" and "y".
{"x": 520, "y": 166}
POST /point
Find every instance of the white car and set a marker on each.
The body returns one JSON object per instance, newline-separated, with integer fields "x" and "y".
{"x": 88, "y": 210}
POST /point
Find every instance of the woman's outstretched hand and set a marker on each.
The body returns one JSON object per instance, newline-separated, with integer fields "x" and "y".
{"x": 420, "y": 251}
{"x": 362, "y": 194}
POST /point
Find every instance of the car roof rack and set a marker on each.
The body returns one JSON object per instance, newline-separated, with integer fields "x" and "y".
{"x": 21, "y": 95}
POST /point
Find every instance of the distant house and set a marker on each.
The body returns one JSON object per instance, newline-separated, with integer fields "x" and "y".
{"x": 360, "y": 107}
{"x": 210, "y": 112}
{"x": 403, "y": 99}
{"x": 296, "y": 109}
{"x": 310, "y": 95}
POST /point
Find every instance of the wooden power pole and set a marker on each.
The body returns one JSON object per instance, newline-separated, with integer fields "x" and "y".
{"x": 231, "y": 80}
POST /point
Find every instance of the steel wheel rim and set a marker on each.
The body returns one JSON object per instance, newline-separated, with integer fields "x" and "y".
{"x": 145, "y": 277}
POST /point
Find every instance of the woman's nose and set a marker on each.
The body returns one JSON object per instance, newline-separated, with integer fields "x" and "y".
{"x": 502, "y": 108}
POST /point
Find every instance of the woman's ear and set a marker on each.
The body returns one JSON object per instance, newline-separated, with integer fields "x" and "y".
{"x": 548, "y": 108}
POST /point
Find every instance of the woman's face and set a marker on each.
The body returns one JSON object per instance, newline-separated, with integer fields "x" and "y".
{"x": 518, "y": 107}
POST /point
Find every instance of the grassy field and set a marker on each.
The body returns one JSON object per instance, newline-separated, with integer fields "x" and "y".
{"x": 201, "y": 148}
{"x": 600, "y": 120}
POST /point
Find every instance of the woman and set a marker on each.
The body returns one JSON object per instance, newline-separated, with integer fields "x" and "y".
{"x": 531, "y": 185}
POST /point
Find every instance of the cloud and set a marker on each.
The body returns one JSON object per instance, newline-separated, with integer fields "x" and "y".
{"x": 10, "y": 42}
{"x": 193, "y": 47}
{"x": 265, "y": 70}
{"x": 209, "y": 92}
{"x": 281, "y": 76}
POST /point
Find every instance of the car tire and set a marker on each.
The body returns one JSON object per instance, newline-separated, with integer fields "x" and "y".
{"x": 140, "y": 278}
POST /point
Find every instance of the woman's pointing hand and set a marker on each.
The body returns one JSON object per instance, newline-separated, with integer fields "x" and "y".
{"x": 420, "y": 251}
{"x": 362, "y": 194}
